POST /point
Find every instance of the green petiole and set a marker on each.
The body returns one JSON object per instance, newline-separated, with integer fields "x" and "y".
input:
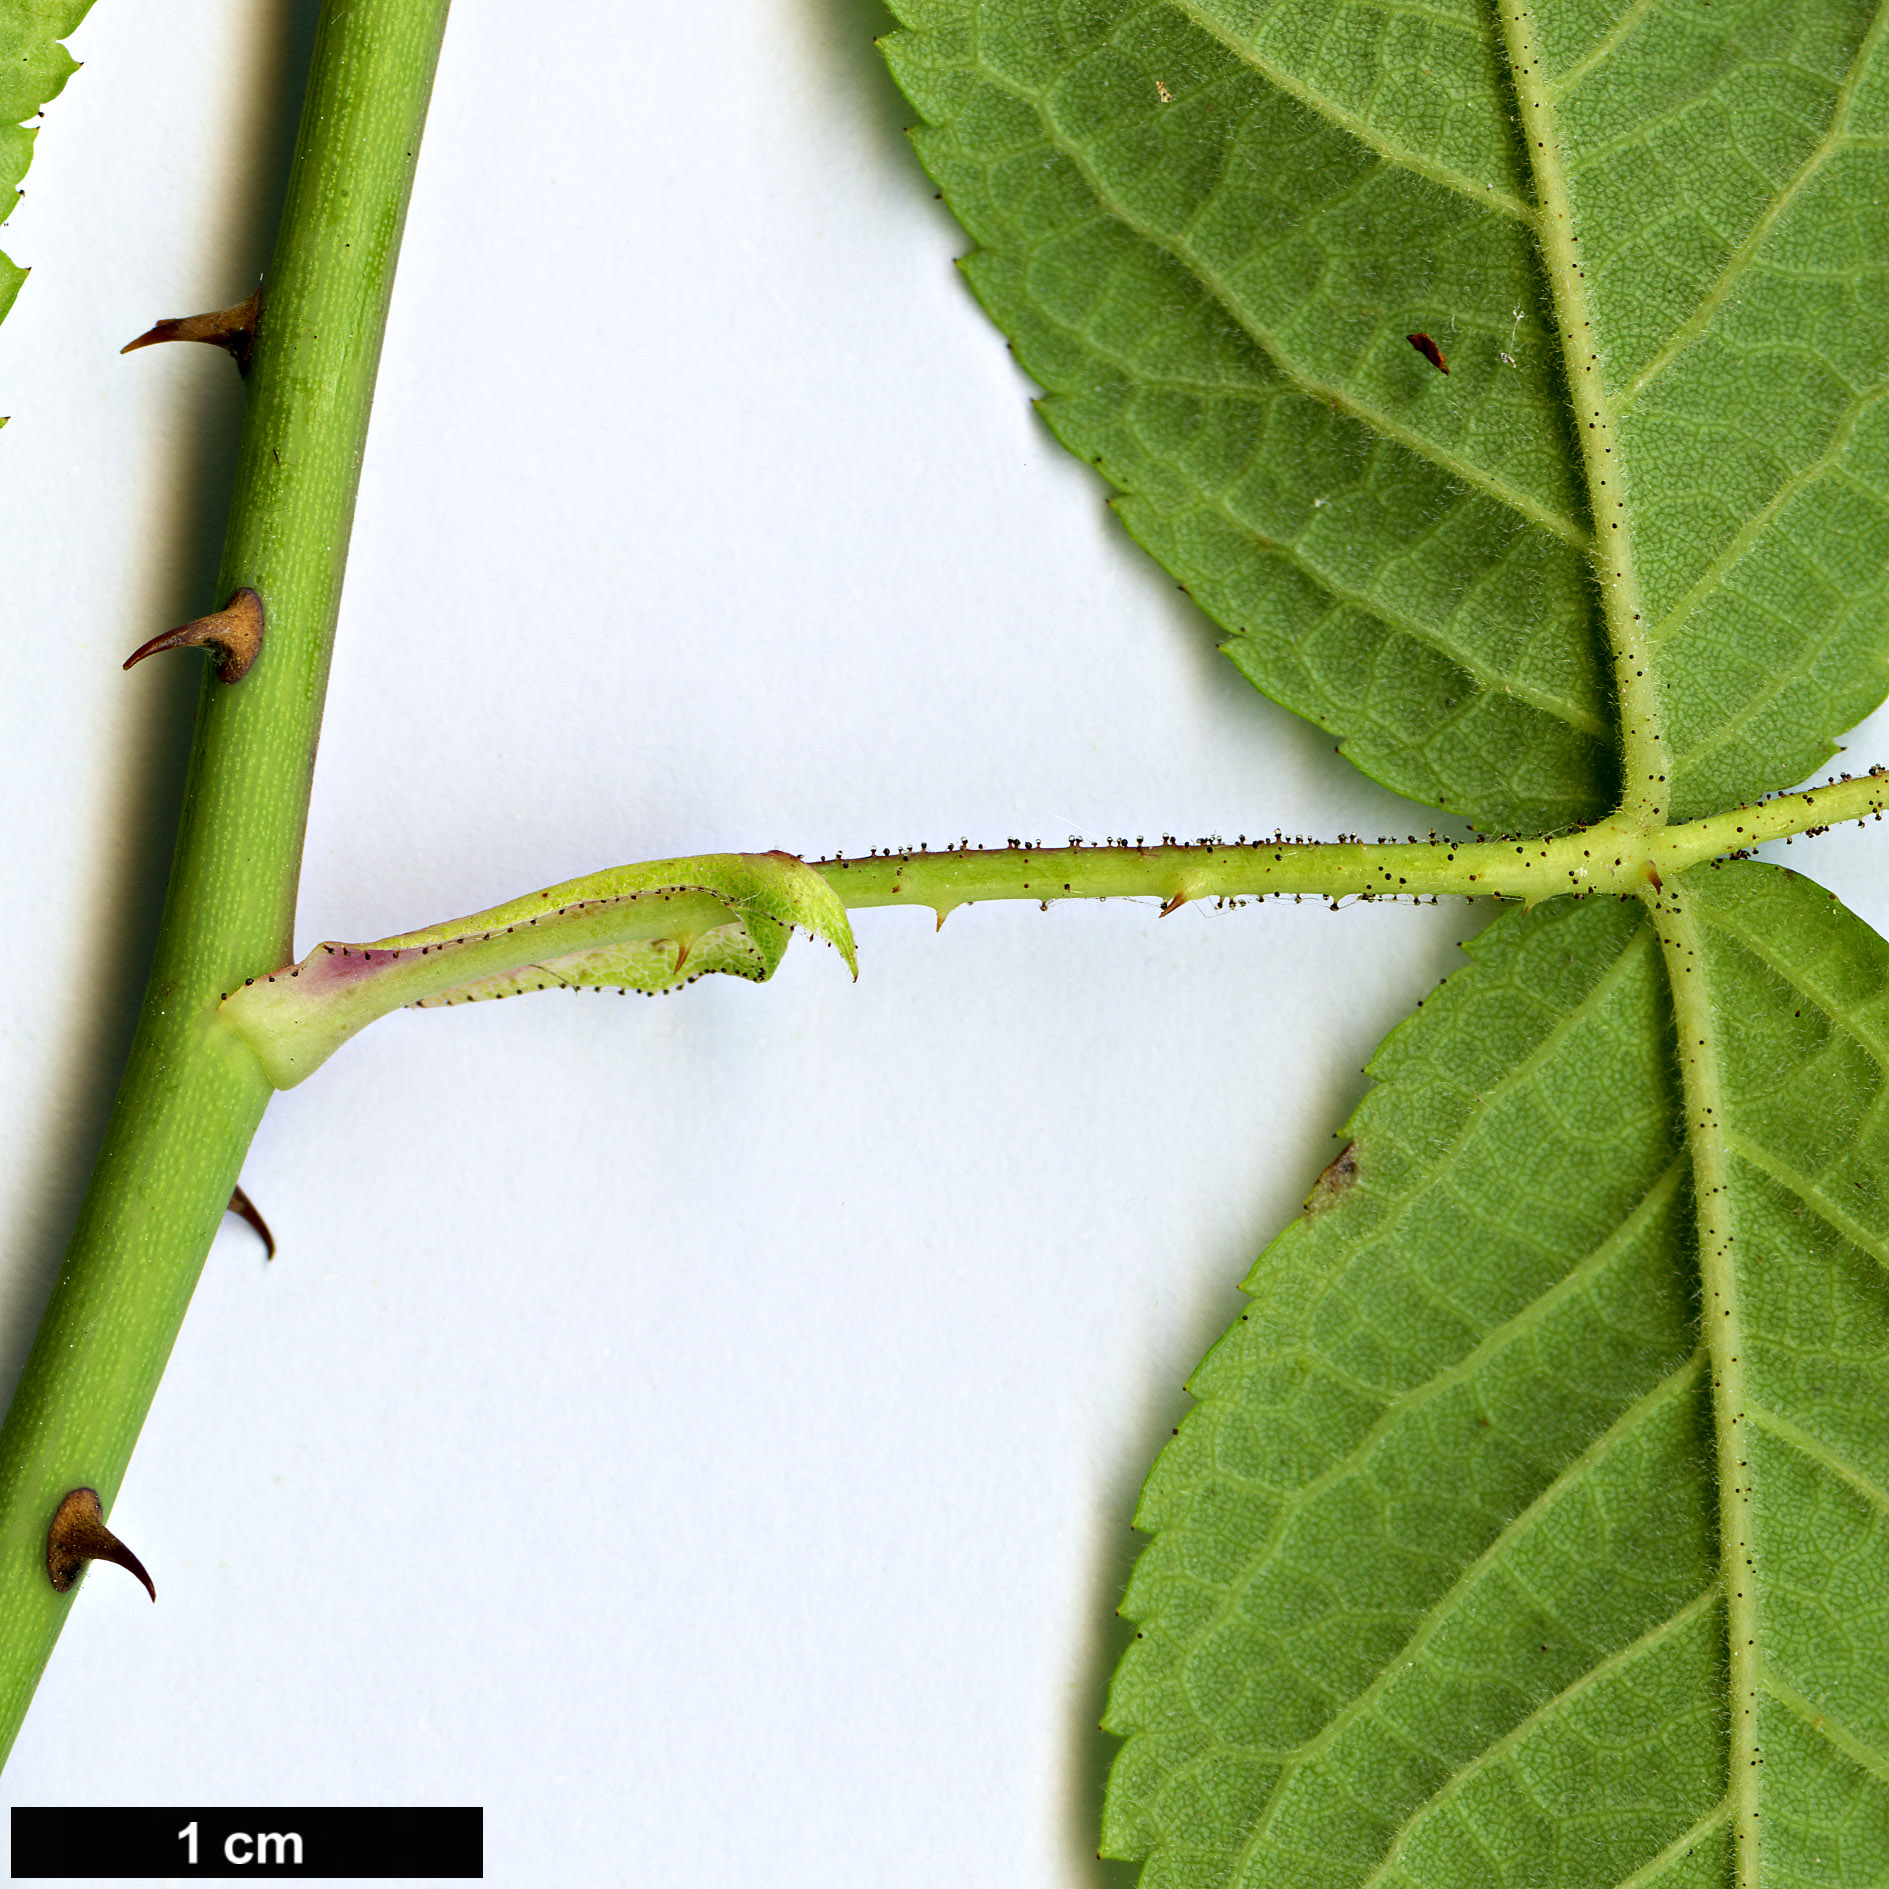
{"x": 656, "y": 926}
{"x": 1616, "y": 855}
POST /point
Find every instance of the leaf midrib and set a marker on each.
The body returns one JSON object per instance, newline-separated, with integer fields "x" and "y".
{"x": 1703, "y": 1094}
{"x": 1646, "y": 776}
{"x": 1645, "y": 762}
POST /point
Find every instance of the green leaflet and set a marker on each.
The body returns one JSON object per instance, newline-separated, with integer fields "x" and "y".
{"x": 34, "y": 68}
{"x": 1534, "y": 1523}
{"x": 651, "y": 927}
{"x": 1208, "y": 227}
{"x": 1436, "y": 1595}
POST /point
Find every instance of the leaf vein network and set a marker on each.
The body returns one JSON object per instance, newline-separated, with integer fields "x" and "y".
{"x": 1815, "y": 1450}
{"x": 1347, "y": 121}
{"x": 1108, "y": 208}
{"x": 1676, "y": 1383}
{"x": 1712, "y": 579}
{"x": 1648, "y": 1874}
{"x": 1489, "y": 679}
{"x": 1828, "y": 1727}
{"x": 1398, "y": 1406}
{"x": 1799, "y": 1189}
{"x": 1840, "y": 1018}
{"x": 1500, "y": 1748}
{"x": 1568, "y": 79}
{"x": 1746, "y": 252}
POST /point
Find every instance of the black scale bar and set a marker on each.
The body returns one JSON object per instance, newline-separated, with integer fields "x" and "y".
{"x": 392, "y": 1844}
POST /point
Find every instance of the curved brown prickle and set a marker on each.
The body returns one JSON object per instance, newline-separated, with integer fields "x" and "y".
{"x": 232, "y": 329}
{"x": 245, "y": 1209}
{"x": 234, "y": 632}
{"x": 78, "y": 1534}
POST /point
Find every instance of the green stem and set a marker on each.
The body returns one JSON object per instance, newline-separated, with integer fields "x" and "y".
{"x": 192, "y": 1094}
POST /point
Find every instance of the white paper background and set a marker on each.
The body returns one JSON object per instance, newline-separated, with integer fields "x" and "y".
{"x": 703, "y": 1431}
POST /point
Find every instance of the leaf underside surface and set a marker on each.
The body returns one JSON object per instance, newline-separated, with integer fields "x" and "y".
{"x": 1208, "y": 229}
{"x": 1435, "y": 1595}
{"x": 1533, "y": 1523}
{"x": 34, "y": 68}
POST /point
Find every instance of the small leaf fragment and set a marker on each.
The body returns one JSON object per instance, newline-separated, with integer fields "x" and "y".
{"x": 34, "y": 68}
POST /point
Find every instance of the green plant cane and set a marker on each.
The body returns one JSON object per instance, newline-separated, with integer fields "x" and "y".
{"x": 192, "y": 1094}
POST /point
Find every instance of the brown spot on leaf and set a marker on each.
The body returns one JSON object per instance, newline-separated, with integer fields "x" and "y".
{"x": 1336, "y": 1182}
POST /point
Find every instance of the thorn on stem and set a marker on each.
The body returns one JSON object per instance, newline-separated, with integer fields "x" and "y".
{"x": 78, "y": 1534}
{"x": 232, "y": 329}
{"x": 245, "y": 1209}
{"x": 234, "y": 632}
